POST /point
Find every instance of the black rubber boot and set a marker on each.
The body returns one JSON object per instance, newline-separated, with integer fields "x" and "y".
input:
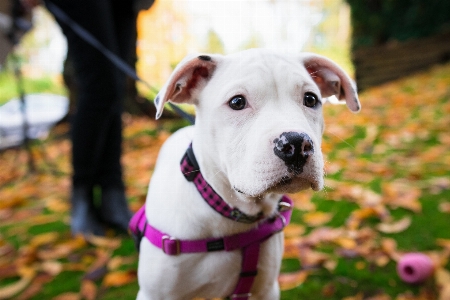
{"x": 84, "y": 219}
{"x": 114, "y": 209}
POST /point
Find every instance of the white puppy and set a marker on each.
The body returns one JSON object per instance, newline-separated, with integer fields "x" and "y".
{"x": 257, "y": 136}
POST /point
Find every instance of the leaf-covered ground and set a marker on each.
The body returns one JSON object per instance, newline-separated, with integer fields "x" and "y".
{"x": 387, "y": 193}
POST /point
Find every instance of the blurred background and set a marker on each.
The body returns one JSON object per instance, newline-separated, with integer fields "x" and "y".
{"x": 171, "y": 29}
{"x": 387, "y": 168}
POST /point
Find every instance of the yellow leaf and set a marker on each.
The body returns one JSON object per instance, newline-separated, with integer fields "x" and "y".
{"x": 317, "y": 218}
{"x": 293, "y": 230}
{"x": 346, "y": 243}
{"x": 44, "y": 239}
{"x": 26, "y": 276}
{"x": 395, "y": 227}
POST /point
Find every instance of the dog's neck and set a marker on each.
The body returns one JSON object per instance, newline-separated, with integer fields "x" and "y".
{"x": 223, "y": 198}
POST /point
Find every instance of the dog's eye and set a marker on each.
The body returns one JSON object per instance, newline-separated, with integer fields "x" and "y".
{"x": 238, "y": 102}
{"x": 310, "y": 100}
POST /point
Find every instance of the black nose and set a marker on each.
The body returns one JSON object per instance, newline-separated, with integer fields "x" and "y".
{"x": 294, "y": 149}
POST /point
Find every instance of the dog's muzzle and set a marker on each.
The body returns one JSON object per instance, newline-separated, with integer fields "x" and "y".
{"x": 294, "y": 149}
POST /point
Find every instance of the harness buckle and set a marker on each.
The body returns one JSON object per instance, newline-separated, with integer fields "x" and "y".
{"x": 237, "y": 296}
{"x": 170, "y": 245}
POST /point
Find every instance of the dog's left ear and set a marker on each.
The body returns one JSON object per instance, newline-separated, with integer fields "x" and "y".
{"x": 187, "y": 80}
{"x": 332, "y": 80}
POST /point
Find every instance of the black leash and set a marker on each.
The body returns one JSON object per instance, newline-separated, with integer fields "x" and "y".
{"x": 116, "y": 60}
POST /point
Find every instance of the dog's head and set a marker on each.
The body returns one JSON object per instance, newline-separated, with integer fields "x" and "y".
{"x": 259, "y": 117}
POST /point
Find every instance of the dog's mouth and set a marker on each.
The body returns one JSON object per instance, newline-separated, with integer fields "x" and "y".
{"x": 286, "y": 184}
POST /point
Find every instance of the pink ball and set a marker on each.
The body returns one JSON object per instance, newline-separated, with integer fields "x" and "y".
{"x": 414, "y": 268}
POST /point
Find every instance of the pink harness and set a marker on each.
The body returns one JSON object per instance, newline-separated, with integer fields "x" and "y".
{"x": 248, "y": 241}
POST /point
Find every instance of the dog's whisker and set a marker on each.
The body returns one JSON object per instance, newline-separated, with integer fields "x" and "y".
{"x": 353, "y": 147}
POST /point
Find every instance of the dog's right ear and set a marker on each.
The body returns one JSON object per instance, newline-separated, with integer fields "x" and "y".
{"x": 187, "y": 80}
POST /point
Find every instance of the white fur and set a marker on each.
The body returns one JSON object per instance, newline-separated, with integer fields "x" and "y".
{"x": 235, "y": 152}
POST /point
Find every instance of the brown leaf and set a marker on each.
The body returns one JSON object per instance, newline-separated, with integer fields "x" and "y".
{"x": 35, "y": 287}
{"x": 98, "y": 268}
{"x": 68, "y": 296}
{"x": 358, "y": 296}
{"x": 62, "y": 250}
{"x": 119, "y": 278}
{"x": 88, "y": 290}
{"x": 289, "y": 281}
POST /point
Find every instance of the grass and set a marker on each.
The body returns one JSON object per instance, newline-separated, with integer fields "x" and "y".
{"x": 9, "y": 88}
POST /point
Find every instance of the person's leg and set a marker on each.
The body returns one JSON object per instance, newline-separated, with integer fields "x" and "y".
{"x": 114, "y": 209}
{"x": 97, "y": 102}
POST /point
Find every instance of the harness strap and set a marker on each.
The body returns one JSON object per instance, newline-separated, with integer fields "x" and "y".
{"x": 249, "y": 241}
{"x": 172, "y": 246}
{"x": 249, "y": 270}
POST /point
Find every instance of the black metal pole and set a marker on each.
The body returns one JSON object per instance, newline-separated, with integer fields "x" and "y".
{"x": 23, "y": 109}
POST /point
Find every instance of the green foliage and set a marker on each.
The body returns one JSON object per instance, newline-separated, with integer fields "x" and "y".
{"x": 9, "y": 88}
{"x": 376, "y": 22}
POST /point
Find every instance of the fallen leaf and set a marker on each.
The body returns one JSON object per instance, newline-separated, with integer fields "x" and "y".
{"x": 442, "y": 277}
{"x": 88, "y": 290}
{"x": 57, "y": 205}
{"x": 444, "y": 207}
{"x": 293, "y": 230}
{"x": 52, "y": 267}
{"x": 346, "y": 242}
{"x": 62, "y": 250}
{"x": 105, "y": 242}
{"x": 395, "y": 227}
{"x": 68, "y": 296}
{"x": 317, "y": 218}
{"x": 98, "y": 268}
{"x": 379, "y": 297}
{"x": 358, "y": 296}
{"x": 289, "y": 281}
{"x": 44, "y": 239}
{"x": 10, "y": 290}
{"x": 35, "y": 287}
{"x": 119, "y": 278}
{"x": 118, "y": 261}
{"x": 399, "y": 194}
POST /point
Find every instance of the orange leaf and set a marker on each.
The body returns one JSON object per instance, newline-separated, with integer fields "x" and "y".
{"x": 291, "y": 280}
{"x": 119, "y": 278}
{"x": 68, "y": 296}
{"x": 88, "y": 290}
